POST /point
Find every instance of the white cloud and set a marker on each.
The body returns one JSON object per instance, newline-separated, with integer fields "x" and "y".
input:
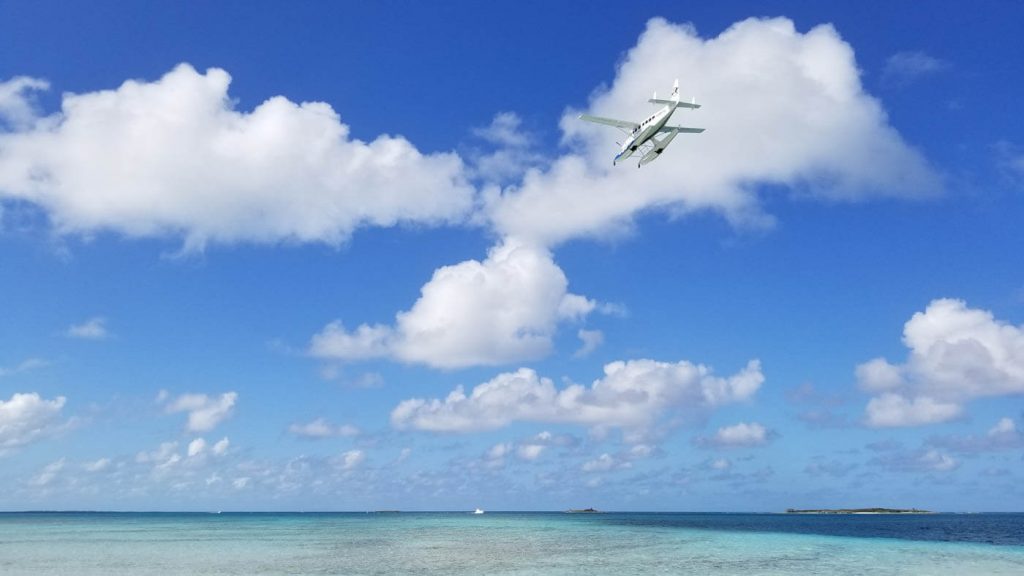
{"x": 956, "y": 354}
{"x": 48, "y": 474}
{"x": 1005, "y": 426}
{"x": 221, "y": 447}
{"x": 529, "y": 451}
{"x": 591, "y": 340}
{"x": 891, "y": 409}
{"x": 504, "y": 309}
{"x": 877, "y": 375}
{"x": 531, "y": 448}
{"x": 780, "y": 107}
{"x": 512, "y": 154}
{"x": 499, "y": 450}
{"x": 17, "y": 109}
{"x": 196, "y": 447}
{"x": 204, "y": 412}
{"x": 321, "y": 428}
{"x": 937, "y": 461}
{"x": 92, "y": 329}
{"x": 97, "y": 465}
{"x": 23, "y": 366}
{"x": 166, "y": 454}
{"x": 905, "y": 67}
{"x": 352, "y": 459}
{"x": 741, "y": 435}
{"x": 632, "y": 395}
{"x": 604, "y": 463}
{"x": 363, "y": 343}
{"x": 505, "y": 129}
{"x": 28, "y": 417}
{"x": 174, "y": 157}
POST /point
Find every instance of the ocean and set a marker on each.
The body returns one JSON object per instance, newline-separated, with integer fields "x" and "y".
{"x": 541, "y": 543}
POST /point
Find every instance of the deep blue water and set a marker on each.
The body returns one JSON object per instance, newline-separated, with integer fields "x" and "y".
{"x": 1000, "y": 529}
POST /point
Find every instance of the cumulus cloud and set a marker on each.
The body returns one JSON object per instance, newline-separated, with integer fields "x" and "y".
{"x": 741, "y": 435}
{"x": 321, "y": 428}
{"x": 956, "y": 354}
{"x": 92, "y": 329}
{"x": 895, "y": 410}
{"x": 204, "y": 412}
{"x": 196, "y": 447}
{"x": 174, "y": 157}
{"x": 630, "y": 395}
{"x": 351, "y": 459}
{"x": 25, "y": 418}
{"x": 506, "y": 308}
{"x": 781, "y": 107}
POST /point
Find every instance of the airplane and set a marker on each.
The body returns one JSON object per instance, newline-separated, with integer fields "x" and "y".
{"x": 641, "y": 138}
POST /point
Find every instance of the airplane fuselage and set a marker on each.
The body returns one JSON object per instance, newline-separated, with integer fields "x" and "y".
{"x": 650, "y": 136}
{"x": 647, "y": 129}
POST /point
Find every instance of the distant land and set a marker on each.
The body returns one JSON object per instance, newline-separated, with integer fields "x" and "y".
{"x": 860, "y": 511}
{"x": 582, "y": 511}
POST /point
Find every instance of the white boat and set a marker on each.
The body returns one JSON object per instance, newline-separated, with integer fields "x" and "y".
{"x": 478, "y": 511}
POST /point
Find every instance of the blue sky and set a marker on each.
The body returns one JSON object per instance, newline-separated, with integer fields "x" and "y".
{"x": 348, "y": 257}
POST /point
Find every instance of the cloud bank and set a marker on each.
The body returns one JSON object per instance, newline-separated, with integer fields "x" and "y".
{"x": 780, "y": 107}
{"x": 631, "y": 395}
{"x": 174, "y": 157}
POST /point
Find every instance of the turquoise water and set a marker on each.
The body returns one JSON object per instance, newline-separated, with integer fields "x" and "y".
{"x": 41, "y": 544}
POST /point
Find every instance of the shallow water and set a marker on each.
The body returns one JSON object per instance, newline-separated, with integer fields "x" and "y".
{"x": 509, "y": 543}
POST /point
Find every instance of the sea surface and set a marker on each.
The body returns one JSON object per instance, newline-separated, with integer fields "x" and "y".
{"x": 541, "y": 543}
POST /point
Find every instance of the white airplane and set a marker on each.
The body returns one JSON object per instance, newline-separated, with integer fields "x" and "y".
{"x": 641, "y": 137}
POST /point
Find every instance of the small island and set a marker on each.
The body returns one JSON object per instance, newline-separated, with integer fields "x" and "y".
{"x": 860, "y": 511}
{"x": 582, "y": 511}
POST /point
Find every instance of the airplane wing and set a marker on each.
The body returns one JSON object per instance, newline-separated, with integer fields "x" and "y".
{"x": 681, "y": 104}
{"x": 609, "y": 121}
{"x": 667, "y": 129}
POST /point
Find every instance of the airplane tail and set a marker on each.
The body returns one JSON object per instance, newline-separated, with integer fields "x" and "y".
{"x": 675, "y": 98}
